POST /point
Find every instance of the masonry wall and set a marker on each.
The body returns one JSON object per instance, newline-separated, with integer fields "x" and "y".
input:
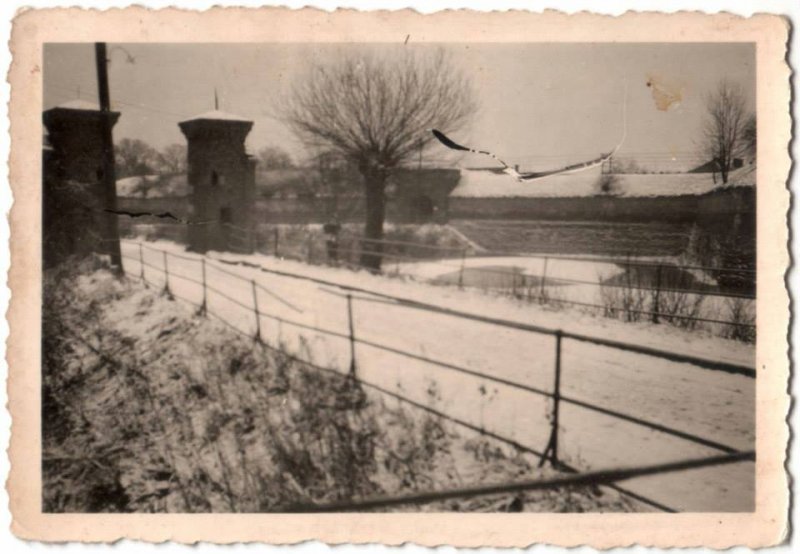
{"x": 222, "y": 179}
{"x": 687, "y": 208}
{"x": 740, "y": 200}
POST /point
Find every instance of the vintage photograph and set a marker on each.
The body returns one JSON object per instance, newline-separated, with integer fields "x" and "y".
{"x": 346, "y": 277}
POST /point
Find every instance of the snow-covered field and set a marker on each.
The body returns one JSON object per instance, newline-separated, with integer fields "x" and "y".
{"x": 715, "y": 405}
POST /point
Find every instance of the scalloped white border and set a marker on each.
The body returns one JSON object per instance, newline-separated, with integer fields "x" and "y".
{"x": 566, "y": 6}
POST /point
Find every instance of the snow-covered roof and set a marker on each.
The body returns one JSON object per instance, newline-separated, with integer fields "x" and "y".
{"x": 218, "y": 115}
{"x": 84, "y": 105}
{"x": 486, "y": 184}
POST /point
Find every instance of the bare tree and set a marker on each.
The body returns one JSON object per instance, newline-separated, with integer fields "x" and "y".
{"x": 374, "y": 111}
{"x": 135, "y": 157}
{"x": 749, "y": 135}
{"x": 725, "y": 122}
{"x": 173, "y": 159}
{"x": 273, "y": 157}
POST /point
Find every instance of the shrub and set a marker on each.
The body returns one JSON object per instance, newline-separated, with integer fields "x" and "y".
{"x": 626, "y": 298}
{"x": 608, "y": 183}
{"x": 740, "y": 312}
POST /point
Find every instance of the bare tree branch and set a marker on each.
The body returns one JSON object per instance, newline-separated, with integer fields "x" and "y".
{"x": 374, "y": 112}
{"x": 723, "y": 133}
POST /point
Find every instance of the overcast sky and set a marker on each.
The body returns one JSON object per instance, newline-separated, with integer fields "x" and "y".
{"x": 539, "y": 104}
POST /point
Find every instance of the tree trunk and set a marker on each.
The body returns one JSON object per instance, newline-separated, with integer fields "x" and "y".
{"x": 724, "y": 163}
{"x": 373, "y": 226}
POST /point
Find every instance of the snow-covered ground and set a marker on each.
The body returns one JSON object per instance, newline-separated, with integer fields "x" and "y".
{"x": 565, "y": 279}
{"x": 715, "y": 405}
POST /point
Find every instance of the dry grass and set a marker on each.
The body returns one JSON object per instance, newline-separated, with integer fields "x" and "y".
{"x": 660, "y": 294}
{"x": 149, "y": 408}
{"x": 740, "y": 311}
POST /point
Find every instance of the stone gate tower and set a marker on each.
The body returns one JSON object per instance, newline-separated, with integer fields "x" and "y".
{"x": 75, "y": 154}
{"x": 75, "y": 131}
{"x": 222, "y": 177}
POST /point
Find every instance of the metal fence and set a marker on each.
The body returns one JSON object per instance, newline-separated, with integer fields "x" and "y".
{"x": 657, "y": 291}
{"x": 352, "y": 294}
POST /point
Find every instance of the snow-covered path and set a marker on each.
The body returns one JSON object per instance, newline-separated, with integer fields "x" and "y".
{"x": 711, "y": 404}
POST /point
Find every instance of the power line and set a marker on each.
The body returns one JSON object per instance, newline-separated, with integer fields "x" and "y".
{"x": 125, "y": 102}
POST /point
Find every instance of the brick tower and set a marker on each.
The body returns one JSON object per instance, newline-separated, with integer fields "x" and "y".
{"x": 222, "y": 177}
{"x": 75, "y": 131}
{"x": 75, "y": 154}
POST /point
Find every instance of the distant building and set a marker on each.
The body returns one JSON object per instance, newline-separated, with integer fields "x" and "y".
{"x": 423, "y": 195}
{"x": 222, "y": 178}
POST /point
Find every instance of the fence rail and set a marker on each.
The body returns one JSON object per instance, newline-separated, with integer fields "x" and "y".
{"x": 550, "y": 452}
{"x": 672, "y": 356}
{"x": 589, "y": 478}
{"x": 660, "y": 295}
{"x": 628, "y": 261}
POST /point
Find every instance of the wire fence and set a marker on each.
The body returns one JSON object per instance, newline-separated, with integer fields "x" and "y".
{"x": 653, "y": 290}
{"x": 353, "y": 294}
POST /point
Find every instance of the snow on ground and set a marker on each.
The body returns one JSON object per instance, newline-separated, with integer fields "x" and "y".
{"x": 588, "y": 270}
{"x": 238, "y": 419}
{"x": 711, "y": 404}
{"x": 566, "y": 279}
{"x": 475, "y": 183}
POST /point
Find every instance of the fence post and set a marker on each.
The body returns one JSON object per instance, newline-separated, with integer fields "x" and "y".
{"x": 166, "y": 274}
{"x": 461, "y": 269}
{"x": 255, "y": 309}
{"x": 352, "y": 335}
{"x": 551, "y": 451}
{"x": 544, "y": 277}
{"x": 657, "y": 297}
{"x": 275, "y": 240}
{"x": 141, "y": 264}
{"x": 204, "y": 305}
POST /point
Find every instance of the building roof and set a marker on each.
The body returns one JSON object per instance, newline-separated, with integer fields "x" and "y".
{"x": 291, "y": 181}
{"x": 82, "y": 105}
{"x": 217, "y": 115}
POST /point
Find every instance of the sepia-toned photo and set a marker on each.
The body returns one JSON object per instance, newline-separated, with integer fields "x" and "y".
{"x": 410, "y": 275}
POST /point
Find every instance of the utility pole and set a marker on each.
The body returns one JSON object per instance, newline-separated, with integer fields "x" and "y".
{"x": 109, "y": 176}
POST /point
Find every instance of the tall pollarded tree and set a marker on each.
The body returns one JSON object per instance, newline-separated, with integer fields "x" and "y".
{"x": 723, "y": 133}
{"x": 374, "y": 111}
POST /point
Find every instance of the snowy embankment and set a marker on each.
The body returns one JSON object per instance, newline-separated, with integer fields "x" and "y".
{"x": 711, "y": 404}
{"x": 149, "y": 408}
